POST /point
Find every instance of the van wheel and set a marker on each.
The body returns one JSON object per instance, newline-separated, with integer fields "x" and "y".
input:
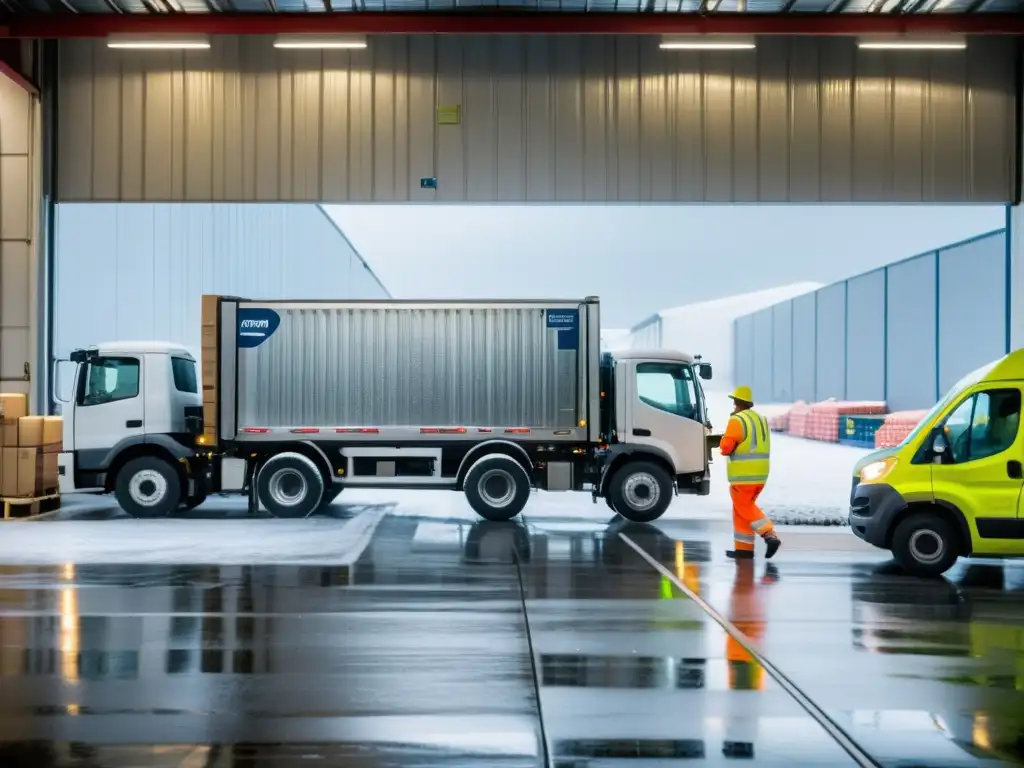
{"x": 148, "y": 487}
{"x": 925, "y": 545}
{"x": 497, "y": 487}
{"x": 640, "y": 491}
{"x": 290, "y": 485}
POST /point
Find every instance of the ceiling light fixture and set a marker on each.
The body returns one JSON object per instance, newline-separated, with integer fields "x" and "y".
{"x": 706, "y": 43}
{"x": 913, "y": 43}
{"x": 320, "y": 41}
{"x": 159, "y": 42}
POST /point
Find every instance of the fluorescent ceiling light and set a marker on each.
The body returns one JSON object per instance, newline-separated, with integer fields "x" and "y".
{"x": 159, "y": 42}
{"x": 706, "y": 43}
{"x": 320, "y": 41}
{"x": 913, "y": 43}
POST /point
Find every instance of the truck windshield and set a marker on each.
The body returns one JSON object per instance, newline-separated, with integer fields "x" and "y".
{"x": 668, "y": 387}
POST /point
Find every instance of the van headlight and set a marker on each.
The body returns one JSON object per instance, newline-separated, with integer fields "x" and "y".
{"x": 876, "y": 470}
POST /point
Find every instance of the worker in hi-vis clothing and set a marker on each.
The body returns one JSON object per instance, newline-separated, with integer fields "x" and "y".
{"x": 747, "y": 444}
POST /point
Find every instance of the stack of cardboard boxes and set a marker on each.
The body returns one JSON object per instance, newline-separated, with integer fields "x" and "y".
{"x": 28, "y": 458}
{"x": 210, "y": 372}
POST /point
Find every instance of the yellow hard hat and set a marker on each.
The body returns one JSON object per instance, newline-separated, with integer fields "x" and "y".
{"x": 743, "y": 393}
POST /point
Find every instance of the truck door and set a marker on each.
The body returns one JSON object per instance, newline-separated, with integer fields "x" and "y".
{"x": 109, "y": 407}
{"x": 663, "y": 411}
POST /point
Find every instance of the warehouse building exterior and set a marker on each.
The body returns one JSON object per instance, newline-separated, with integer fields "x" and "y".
{"x": 902, "y": 334}
{"x": 137, "y": 271}
{"x": 706, "y": 328}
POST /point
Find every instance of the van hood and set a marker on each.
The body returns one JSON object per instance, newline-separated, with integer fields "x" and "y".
{"x": 881, "y": 453}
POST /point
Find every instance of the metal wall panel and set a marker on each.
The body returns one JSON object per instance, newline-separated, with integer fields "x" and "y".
{"x": 782, "y": 352}
{"x": 444, "y": 367}
{"x": 543, "y": 119}
{"x": 145, "y": 266}
{"x": 865, "y": 337}
{"x": 805, "y": 345}
{"x": 830, "y": 344}
{"x": 743, "y": 364}
{"x": 761, "y": 381}
{"x": 18, "y": 234}
{"x": 910, "y": 346}
{"x": 972, "y": 307}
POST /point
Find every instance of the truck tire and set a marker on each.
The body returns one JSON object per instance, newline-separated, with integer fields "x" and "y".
{"x": 925, "y": 545}
{"x": 148, "y": 487}
{"x": 497, "y": 487}
{"x": 290, "y": 485}
{"x": 640, "y": 491}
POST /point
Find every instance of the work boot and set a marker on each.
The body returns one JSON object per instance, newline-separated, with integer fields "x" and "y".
{"x": 771, "y": 574}
{"x": 740, "y": 554}
{"x": 772, "y": 544}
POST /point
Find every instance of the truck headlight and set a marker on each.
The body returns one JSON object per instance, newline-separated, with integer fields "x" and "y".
{"x": 876, "y": 470}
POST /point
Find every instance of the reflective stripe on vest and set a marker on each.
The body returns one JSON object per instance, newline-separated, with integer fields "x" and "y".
{"x": 749, "y": 463}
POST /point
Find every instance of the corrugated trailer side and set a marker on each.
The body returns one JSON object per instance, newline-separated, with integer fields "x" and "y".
{"x": 397, "y": 370}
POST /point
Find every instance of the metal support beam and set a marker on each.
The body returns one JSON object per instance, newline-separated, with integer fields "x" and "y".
{"x": 402, "y": 23}
{"x": 45, "y": 233}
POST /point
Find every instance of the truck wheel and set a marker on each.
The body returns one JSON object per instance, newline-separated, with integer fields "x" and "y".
{"x": 497, "y": 487}
{"x": 148, "y": 487}
{"x": 640, "y": 491}
{"x": 925, "y": 545}
{"x": 290, "y": 485}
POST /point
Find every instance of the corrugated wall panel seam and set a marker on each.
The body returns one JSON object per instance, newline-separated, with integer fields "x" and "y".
{"x": 543, "y": 119}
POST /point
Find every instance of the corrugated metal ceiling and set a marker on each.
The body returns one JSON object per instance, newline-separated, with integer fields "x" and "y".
{"x": 172, "y": 7}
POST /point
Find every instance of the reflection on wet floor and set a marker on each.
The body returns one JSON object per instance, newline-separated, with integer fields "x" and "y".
{"x": 420, "y": 654}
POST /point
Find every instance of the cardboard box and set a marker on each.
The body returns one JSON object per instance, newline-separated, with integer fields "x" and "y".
{"x": 49, "y": 482}
{"x": 209, "y": 415}
{"x": 22, "y": 468}
{"x": 30, "y": 431}
{"x": 12, "y": 407}
{"x": 210, "y": 309}
{"x": 53, "y": 434}
{"x": 209, "y": 335}
{"x": 210, "y": 370}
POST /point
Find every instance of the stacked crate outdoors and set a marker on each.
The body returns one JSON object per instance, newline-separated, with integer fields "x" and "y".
{"x": 896, "y": 428}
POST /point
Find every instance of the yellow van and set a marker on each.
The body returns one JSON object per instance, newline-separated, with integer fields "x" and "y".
{"x": 953, "y": 487}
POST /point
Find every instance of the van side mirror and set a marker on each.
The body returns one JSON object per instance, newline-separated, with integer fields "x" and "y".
{"x": 704, "y": 371}
{"x": 940, "y": 443}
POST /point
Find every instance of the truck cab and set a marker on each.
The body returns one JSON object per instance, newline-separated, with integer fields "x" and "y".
{"x": 132, "y": 411}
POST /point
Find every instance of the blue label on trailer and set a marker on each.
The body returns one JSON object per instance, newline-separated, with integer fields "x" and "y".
{"x": 256, "y": 325}
{"x": 567, "y": 323}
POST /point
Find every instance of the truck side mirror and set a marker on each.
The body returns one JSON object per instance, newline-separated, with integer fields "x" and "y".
{"x": 63, "y": 385}
{"x": 704, "y": 371}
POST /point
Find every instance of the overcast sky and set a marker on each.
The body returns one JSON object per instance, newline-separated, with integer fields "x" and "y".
{"x": 640, "y": 259}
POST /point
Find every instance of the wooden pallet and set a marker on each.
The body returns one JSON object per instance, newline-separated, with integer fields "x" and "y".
{"x": 30, "y": 506}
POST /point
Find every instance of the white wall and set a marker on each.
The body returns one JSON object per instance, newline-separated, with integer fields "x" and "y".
{"x": 135, "y": 271}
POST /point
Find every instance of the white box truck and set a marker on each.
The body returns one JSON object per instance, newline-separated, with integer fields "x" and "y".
{"x": 302, "y": 399}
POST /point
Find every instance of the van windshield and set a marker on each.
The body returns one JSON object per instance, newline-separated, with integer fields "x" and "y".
{"x": 967, "y": 381}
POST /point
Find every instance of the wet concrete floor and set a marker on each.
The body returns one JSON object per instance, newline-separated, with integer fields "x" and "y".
{"x": 549, "y": 643}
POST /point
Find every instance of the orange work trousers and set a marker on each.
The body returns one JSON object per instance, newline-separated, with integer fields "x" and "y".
{"x": 747, "y": 518}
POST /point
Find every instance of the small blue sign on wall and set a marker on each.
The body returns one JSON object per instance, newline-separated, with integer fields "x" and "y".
{"x": 256, "y": 325}
{"x": 567, "y": 323}
{"x": 428, "y": 182}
